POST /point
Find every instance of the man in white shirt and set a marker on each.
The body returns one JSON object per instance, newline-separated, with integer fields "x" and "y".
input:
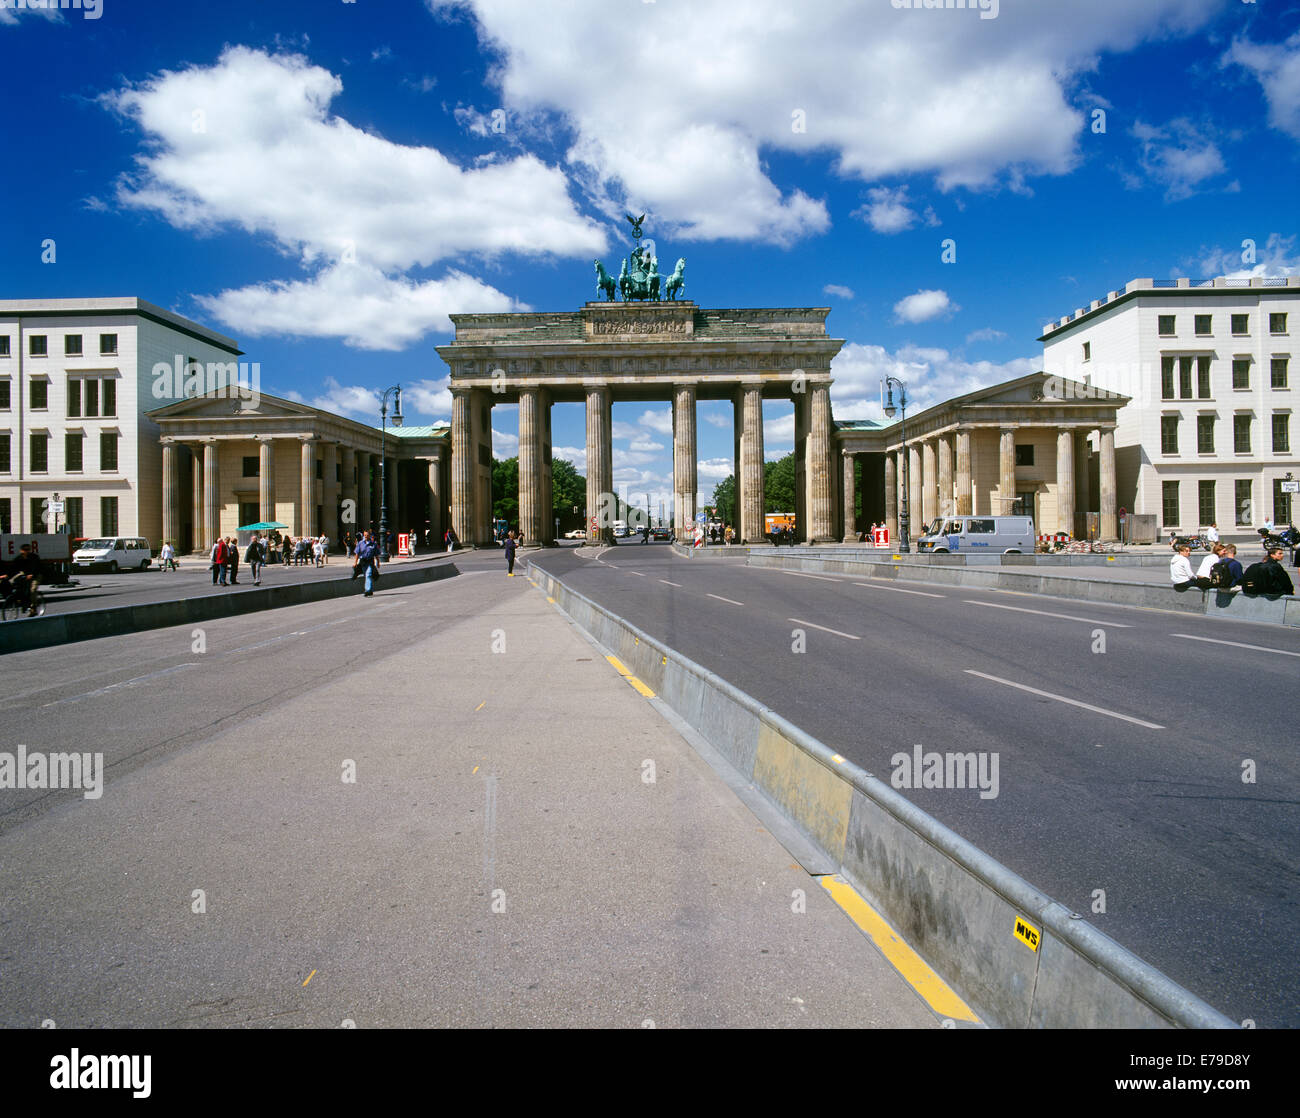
{"x": 1212, "y": 535}
{"x": 167, "y": 556}
{"x": 1180, "y": 571}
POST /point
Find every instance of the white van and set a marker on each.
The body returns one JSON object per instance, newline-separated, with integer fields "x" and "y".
{"x": 1008, "y": 535}
{"x": 117, "y": 553}
{"x": 620, "y": 529}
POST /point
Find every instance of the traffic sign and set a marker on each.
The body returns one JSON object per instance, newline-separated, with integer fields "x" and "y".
{"x": 701, "y": 518}
{"x": 1291, "y": 487}
{"x": 57, "y": 506}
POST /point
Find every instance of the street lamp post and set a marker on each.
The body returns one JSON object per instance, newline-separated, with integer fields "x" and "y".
{"x": 888, "y": 385}
{"x": 396, "y": 393}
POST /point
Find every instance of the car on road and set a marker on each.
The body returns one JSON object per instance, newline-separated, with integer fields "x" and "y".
{"x": 662, "y": 534}
{"x": 576, "y": 534}
{"x": 1010, "y": 535}
{"x": 113, "y": 553}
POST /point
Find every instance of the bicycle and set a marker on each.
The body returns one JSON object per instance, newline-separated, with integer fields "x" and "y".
{"x": 11, "y": 608}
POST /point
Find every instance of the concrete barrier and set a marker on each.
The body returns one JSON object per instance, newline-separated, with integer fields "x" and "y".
{"x": 943, "y": 571}
{"x": 63, "y": 628}
{"x": 959, "y": 908}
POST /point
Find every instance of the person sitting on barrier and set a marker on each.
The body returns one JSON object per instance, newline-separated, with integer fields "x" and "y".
{"x": 1180, "y": 571}
{"x": 1226, "y": 573}
{"x": 1207, "y": 564}
{"x": 1267, "y": 577}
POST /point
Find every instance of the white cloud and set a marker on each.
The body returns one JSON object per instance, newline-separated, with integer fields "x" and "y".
{"x": 924, "y": 306}
{"x": 887, "y": 211}
{"x": 838, "y": 291}
{"x": 714, "y": 469}
{"x": 1277, "y": 257}
{"x": 645, "y": 445}
{"x": 9, "y": 16}
{"x": 988, "y": 334}
{"x": 621, "y": 430}
{"x": 1179, "y": 157}
{"x": 881, "y": 92}
{"x": 715, "y": 418}
{"x": 381, "y": 54}
{"x": 661, "y": 421}
{"x": 428, "y": 398}
{"x": 504, "y": 444}
{"x": 356, "y": 302}
{"x": 575, "y": 454}
{"x": 1276, "y": 67}
{"x": 348, "y": 399}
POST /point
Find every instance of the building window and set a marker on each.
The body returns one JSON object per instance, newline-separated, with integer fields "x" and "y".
{"x": 40, "y": 446}
{"x": 74, "y": 399}
{"x": 251, "y": 465}
{"x": 74, "y": 516}
{"x": 4, "y": 345}
{"x": 1205, "y": 434}
{"x": 108, "y": 452}
{"x": 1242, "y": 499}
{"x": 110, "y": 397}
{"x": 320, "y": 470}
{"x": 1240, "y": 372}
{"x": 6, "y": 515}
{"x": 71, "y": 345}
{"x": 1169, "y": 434}
{"x": 1281, "y": 503}
{"x": 1205, "y": 502}
{"x": 1169, "y": 503}
{"x": 1240, "y": 324}
{"x": 1165, "y": 325}
{"x": 1184, "y": 378}
{"x": 1241, "y": 433}
{"x": 1087, "y": 351}
{"x": 5, "y": 467}
{"x": 1203, "y": 378}
{"x": 1203, "y": 324}
{"x": 1024, "y": 454}
{"x": 4, "y": 395}
{"x": 1277, "y": 323}
{"x": 72, "y": 443}
{"x": 108, "y": 345}
{"x": 39, "y": 510}
{"x": 92, "y": 398}
{"x": 1281, "y": 432}
{"x": 37, "y": 345}
{"x": 108, "y": 516}
{"x": 1277, "y": 372}
{"x": 1166, "y": 378}
{"x": 40, "y": 395}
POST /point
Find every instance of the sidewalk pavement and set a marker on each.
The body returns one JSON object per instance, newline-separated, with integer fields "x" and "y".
{"x": 527, "y": 843}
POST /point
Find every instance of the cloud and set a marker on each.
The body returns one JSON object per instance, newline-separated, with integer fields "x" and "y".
{"x": 348, "y": 399}
{"x": 9, "y": 16}
{"x": 1277, "y": 258}
{"x": 1179, "y": 157}
{"x": 988, "y": 334}
{"x": 725, "y": 92}
{"x": 381, "y": 54}
{"x": 715, "y": 418}
{"x": 838, "y": 291}
{"x": 504, "y": 444}
{"x": 645, "y": 445}
{"x": 575, "y": 454}
{"x": 924, "y": 306}
{"x": 428, "y": 398}
{"x": 714, "y": 469}
{"x": 661, "y": 421}
{"x": 355, "y": 302}
{"x": 888, "y": 211}
{"x": 1276, "y": 67}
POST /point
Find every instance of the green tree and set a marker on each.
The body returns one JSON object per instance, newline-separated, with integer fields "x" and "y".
{"x": 568, "y": 491}
{"x": 724, "y": 497}
{"x": 778, "y": 484}
{"x": 505, "y": 490}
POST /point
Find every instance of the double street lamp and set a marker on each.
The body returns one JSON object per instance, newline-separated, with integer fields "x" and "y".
{"x": 887, "y": 387}
{"x": 396, "y": 393}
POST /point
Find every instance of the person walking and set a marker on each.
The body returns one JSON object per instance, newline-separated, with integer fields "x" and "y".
{"x": 255, "y": 557}
{"x": 511, "y": 548}
{"x": 218, "y": 559}
{"x": 232, "y": 558}
{"x": 167, "y": 556}
{"x": 367, "y": 563}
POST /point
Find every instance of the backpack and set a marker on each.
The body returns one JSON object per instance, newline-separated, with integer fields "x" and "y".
{"x": 1256, "y": 579}
{"x": 1220, "y": 575}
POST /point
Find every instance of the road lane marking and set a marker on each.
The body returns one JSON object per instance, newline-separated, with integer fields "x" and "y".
{"x": 1236, "y": 644}
{"x": 667, "y": 583}
{"x": 637, "y": 573}
{"x": 1044, "y": 613}
{"x": 1063, "y": 699}
{"x": 899, "y": 590}
{"x": 308, "y": 978}
{"x": 812, "y": 625}
{"x": 800, "y": 574}
{"x": 732, "y": 601}
{"x": 938, "y": 995}
{"x": 118, "y": 686}
{"x": 480, "y": 706}
{"x": 627, "y": 675}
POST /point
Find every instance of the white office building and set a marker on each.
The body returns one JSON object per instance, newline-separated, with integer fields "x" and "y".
{"x": 77, "y": 377}
{"x": 1210, "y": 434}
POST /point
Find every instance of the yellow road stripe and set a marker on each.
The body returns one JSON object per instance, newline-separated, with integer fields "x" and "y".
{"x": 480, "y": 706}
{"x": 308, "y": 978}
{"x": 627, "y": 675}
{"x": 918, "y": 973}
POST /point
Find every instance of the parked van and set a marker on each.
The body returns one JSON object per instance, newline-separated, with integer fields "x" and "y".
{"x": 620, "y": 529}
{"x": 117, "y": 553}
{"x": 1009, "y": 535}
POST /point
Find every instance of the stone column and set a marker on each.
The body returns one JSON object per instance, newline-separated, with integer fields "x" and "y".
{"x": 946, "y": 502}
{"x": 349, "y": 489}
{"x": 330, "y": 492}
{"x": 891, "y": 497}
{"x": 930, "y": 485}
{"x": 600, "y": 466}
{"x": 1082, "y": 495}
{"x": 750, "y": 497}
{"x": 913, "y": 482}
{"x": 547, "y": 538}
{"x": 171, "y": 505}
{"x": 685, "y": 480}
{"x": 821, "y": 465}
{"x": 850, "y": 499}
{"x": 1107, "y": 486}
{"x": 196, "y": 499}
{"x": 1006, "y": 470}
{"x": 266, "y": 480}
{"x": 307, "y": 500}
{"x": 392, "y": 499}
{"x": 211, "y": 510}
{"x": 531, "y": 512}
{"x": 435, "y": 502}
{"x": 1065, "y": 481}
{"x": 462, "y": 468}
{"x": 800, "y": 400}
{"x": 965, "y": 490}
{"x": 363, "y": 490}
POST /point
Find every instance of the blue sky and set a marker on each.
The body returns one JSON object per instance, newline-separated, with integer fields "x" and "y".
{"x": 325, "y": 181}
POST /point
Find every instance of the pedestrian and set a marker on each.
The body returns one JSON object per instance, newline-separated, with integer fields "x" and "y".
{"x": 167, "y": 556}
{"x": 1180, "y": 571}
{"x": 1227, "y": 572}
{"x": 255, "y": 557}
{"x": 218, "y": 559}
{"x": 324, "y": 550}
{"x": 1208, "y": 563}
{"x": 511, "y": 546}
{"x": 232, "y": 559}
{"x": 318, "y": 551}
{"x": 367, "y": 561}
{"x": 1268, "y": 577}
{"x": 1212, "y": 534}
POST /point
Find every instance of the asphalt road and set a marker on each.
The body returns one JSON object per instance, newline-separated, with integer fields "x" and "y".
{"x": 1165, "y": 789}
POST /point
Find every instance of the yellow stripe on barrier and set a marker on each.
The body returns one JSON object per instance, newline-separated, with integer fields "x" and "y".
{"x": 920, "y": 976}
{"x": 627, "y": 675}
